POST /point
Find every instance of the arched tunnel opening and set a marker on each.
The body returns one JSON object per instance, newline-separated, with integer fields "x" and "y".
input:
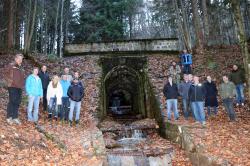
{"x": 126, "y": 89}
{"x": 123, "y": 94}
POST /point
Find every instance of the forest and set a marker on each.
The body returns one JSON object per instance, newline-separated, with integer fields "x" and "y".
{"x": 44, "y": 26}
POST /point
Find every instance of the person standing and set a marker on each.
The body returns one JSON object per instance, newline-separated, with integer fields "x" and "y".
{"x": 34, "y": 90}
{"x": 15, "y": 82}
{"x": 75, "y": 93}
{"x": 186, "y": 62}
{"x": 44, "y": 76}
{"x": 227, "y": 92}
{"x": 175, "y": 71}
{"x": 68, "y": 75}
{"x": 170, "y": 92}
{"x": 54, "y": 97}
{"x": 196, "y": 95}
{"x": 238, "y": 78}
{"x": 65, "y": 98}
{"x": 183, "y": 91}
{"x": 211, "y": 96}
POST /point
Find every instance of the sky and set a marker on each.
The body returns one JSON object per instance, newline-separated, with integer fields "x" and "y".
{"x": 77, "y": 3}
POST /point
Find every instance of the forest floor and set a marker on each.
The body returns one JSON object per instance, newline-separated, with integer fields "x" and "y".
{"x": 60, "y": 144}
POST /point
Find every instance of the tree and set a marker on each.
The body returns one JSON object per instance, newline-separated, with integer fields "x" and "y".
{"x": 242, "y": 37}
{"x": 61, "y": 31}
{"x": 197, "y": 26}
{"x": 205, "y": 20}
{"x": 10, "y": 39}
{"x": 30, "y": 23}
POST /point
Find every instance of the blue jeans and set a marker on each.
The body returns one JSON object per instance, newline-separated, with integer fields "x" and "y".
{"x": 240, "y": 93}
{"x": 209, "y": 112}
{"x": 172, "y": 104}
{"x": 228, "y": 103}
{"x": 186, "y": 69}
{"x": 185, "y": 107}
{"x": 74, "y": 106}
{"x": 53, "y": 107}
{"x": 198, "y": 108}
{"x": 65, "y": 108}
{"x": 33, "y": 101}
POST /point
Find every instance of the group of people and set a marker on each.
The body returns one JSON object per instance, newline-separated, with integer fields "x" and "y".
{"x": 61, "y": 95}
{"x": 195, "y": 95}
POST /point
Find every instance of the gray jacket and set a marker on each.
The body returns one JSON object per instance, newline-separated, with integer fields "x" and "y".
{"x": 184, "y": 88}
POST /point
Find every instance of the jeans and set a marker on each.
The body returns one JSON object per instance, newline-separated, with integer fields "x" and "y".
{"x": 228, "y": 103}
{"x": 209, "y": 112}
{"x": 240, "y": 93}
{"x": 45, "y": 102}
{"x": 53, "y": 108}
{"x": 74, "y": 106}
{"x": 33, "y": 101}
{"x": 15, "y": 98}
{"x": 198, "y": 108}
{"x": 65, "y": 108}
{"x": 172, "y": 104}
{"x": 186, "y": 69}
{"x": 185, "y": 107}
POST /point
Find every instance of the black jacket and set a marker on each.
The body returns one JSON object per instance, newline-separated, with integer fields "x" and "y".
{"x": 44, "y": 78}
{"x": 211, "y": 94}
{"x": 170, "y": 92}
{"x": 76, "y": 92}
{"x": 196, "y": 93}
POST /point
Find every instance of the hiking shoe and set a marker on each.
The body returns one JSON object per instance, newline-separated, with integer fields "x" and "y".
{"x": 242, "y": 104}
{"x": 237, "y": 104}
{"x": 70, "y": 123}
{"x": 9, "y": 121}
{"x": 17, "y": 121}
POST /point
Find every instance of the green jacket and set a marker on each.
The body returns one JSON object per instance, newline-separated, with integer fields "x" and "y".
{"x": 227, "y": 90}
{"x": 237, "y": 77}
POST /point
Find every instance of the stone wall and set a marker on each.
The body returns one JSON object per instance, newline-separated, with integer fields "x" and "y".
{"x": 124, "y": 46}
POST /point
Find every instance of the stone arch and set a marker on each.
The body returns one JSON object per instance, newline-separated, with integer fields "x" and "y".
{"x": 128, "y": 81}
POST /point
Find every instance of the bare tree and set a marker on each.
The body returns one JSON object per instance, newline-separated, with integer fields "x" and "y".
{"x": 10, "y": 31}
{"x": 197, "y": 26}
{"x": 205, "y": 20}
{"x": 61, "y": 31}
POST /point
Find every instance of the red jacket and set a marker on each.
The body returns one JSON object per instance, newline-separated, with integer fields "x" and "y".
{"x": 14, "y": 76}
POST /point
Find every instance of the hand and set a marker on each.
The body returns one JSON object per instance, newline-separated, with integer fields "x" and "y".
{"x": 245, "y": 84}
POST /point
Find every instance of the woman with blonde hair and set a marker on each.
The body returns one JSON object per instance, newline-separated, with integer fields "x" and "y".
{"x": 54, "y": 96}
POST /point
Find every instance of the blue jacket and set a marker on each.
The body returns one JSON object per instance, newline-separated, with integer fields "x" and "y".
{"x": 186, "y": 59}
{"x": 65, "y": 86}
{"x": 33, "y": 86}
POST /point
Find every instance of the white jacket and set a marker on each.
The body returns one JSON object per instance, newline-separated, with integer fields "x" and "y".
{"x": 52, "y": 92}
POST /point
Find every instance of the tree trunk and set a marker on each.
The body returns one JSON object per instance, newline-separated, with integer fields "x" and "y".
{"x": 197, "y": 26}
{"x": 18, "y": 26}
{"x": 61, "y": 32}
{"x": 242, "y": 38}
{"x": 10, "y": 30}
{"x": 55, "y": 34}
{"x": 205, "y": 21}
{"x": 185, "y": 27}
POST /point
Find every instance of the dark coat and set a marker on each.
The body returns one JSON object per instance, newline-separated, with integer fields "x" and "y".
{"x": 237, "y": 76}
{"x": 76, "y": 92}
{"x": 196, "y": 93}
{"x": 44, "y": 78}
{"x": 170, "y": 92}
{"x": 211, "y": 94}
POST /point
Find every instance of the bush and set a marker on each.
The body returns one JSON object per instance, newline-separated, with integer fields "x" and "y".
{"x": 52, "y": 57}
